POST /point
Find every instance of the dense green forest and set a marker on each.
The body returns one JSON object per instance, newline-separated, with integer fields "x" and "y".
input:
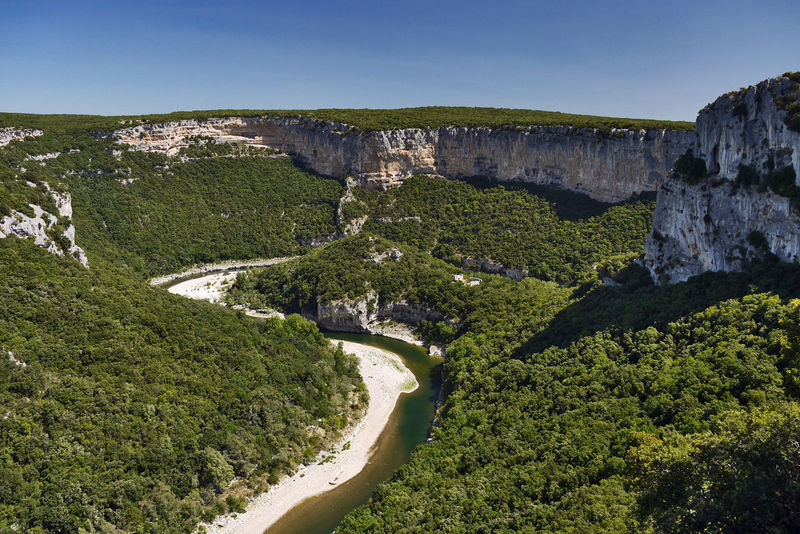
{"x": 552, "y": 234}
{"x": 135, "y": 409}
{"x": 562, "y": 405}
{"x": 569, "y": 405}
{"x": 348, "y": 269}
{"x": 206, "y": 210}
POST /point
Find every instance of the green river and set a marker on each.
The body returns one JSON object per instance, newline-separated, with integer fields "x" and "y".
{"x": 408, "y": 426}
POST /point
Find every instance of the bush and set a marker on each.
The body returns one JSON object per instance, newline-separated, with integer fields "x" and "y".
{"x": 689, "y": 168}
{"x": 782, "y": 182}
{"x": 757, "y": 240}
{"x": 216, "y": 469}
{"x": 748, "y": 175}
{"x": 790, "y": 104}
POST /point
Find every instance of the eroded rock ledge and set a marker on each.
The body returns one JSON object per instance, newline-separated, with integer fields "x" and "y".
{"x": 367, "y": 315}
{"x": 608, "y": 167}
{"x": 735, "y": 214}
{"x": 43, "y": 227}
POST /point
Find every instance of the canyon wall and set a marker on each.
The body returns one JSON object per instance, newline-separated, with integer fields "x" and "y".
{"x": 607, "y": 167}
{"x": 724, "y": 221}
{"x": 367, "y": 315}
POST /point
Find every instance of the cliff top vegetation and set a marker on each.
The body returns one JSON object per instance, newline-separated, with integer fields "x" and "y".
{"x": 361, "y": 119}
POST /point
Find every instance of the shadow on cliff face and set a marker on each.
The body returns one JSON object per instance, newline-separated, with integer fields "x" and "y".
{"x": 568, "y": 205}
{"x": 617, "y": 309}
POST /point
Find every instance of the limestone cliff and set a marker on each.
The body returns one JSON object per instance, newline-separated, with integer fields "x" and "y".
{"x": 13, "y": 134}
{"x": 367, "y": 315}
{"x": 608, "y": 167}
{"x": 43, "y": 227}
{"x": 742, "y": 209}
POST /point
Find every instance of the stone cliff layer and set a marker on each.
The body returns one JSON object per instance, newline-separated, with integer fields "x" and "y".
{"x": 366, "y": 315}
{"x": 42, "y": 227}
{"x": 699, "y": 228}
{"x": 748, "y": 128}
{"x": 608, "y": 167}
{"x": 722, "y": 222}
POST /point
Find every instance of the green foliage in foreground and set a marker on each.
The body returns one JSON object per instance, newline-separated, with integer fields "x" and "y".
{"x": 549, "y": 442}
{"x": 742, "y": 476}
{"x": 551, "y": 394}
{"x": 361, "y": 119}
{"x": 136, "y": 408}
{"x": 554, "y": 235}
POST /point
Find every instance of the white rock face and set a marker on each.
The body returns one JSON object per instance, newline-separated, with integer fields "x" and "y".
{"x": 367, "y": 314}
{"x": 12, "y": 134}
{"x": 702, "y": 228}
{"x": 18, "y": 224}
{"x": 748, "y": 129}
{"x": 609, "y": 168}
{"x": 705, "y": 227}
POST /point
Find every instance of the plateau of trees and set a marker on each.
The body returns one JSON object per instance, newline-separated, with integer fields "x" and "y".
{"x": 363, "y": 119}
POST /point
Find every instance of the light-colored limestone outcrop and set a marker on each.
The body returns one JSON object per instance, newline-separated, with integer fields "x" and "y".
{"x": 37, "y": 227}
{"x": 13, "y": 134}
{"x": 367, "y": 315}
{"x": 715, "y": 225}
{"x": 748, "y": 128}
{"x": 607, "y": 167}
{"x": 702, "y": 228}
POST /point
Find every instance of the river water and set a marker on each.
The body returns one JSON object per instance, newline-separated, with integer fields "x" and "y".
{"x": 408, "y": 426}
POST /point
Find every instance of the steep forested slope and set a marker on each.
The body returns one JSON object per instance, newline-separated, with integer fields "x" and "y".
{"x": 552, "y": 234}
{"x": 561, "y": 410}
{"x": 134, "y": 408}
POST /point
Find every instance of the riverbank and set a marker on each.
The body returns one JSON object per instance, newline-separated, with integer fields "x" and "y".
{"x": 385, "y": 376}
{"x": 223, "y": 266}
{"x": 386, "y": 379}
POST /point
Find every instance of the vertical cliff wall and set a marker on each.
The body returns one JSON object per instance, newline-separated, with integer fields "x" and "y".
{"x": 742, "y": 209}
{"x": 606, "y": 166}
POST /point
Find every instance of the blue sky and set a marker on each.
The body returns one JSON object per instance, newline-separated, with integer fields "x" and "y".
{"x": 663, "y": 59}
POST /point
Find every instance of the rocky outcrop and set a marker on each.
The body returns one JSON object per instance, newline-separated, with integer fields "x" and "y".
{"x": 699, "y": 228}
{"x": 492, "y": 267}
{"x": 606, "y": 166}
{"x": 12, "y": 134}
{"x": 748, "y": 128}
{"x": 722, "y": 222}
{"x": 367, "y": 314}
{"x": 42, "y": 227}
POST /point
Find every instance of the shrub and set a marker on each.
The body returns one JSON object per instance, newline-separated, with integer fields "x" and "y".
{"x": 790, "y": 104}
{"x": 782, "y": 182}
{"x": 216, "y": 469}
{"x": 757, "y": 240}
{"x": 689, "y": 168}
{"x": 748, "y": 175}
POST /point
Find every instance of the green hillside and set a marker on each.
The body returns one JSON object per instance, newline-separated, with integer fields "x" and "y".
{"x": 581, "y": 398}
